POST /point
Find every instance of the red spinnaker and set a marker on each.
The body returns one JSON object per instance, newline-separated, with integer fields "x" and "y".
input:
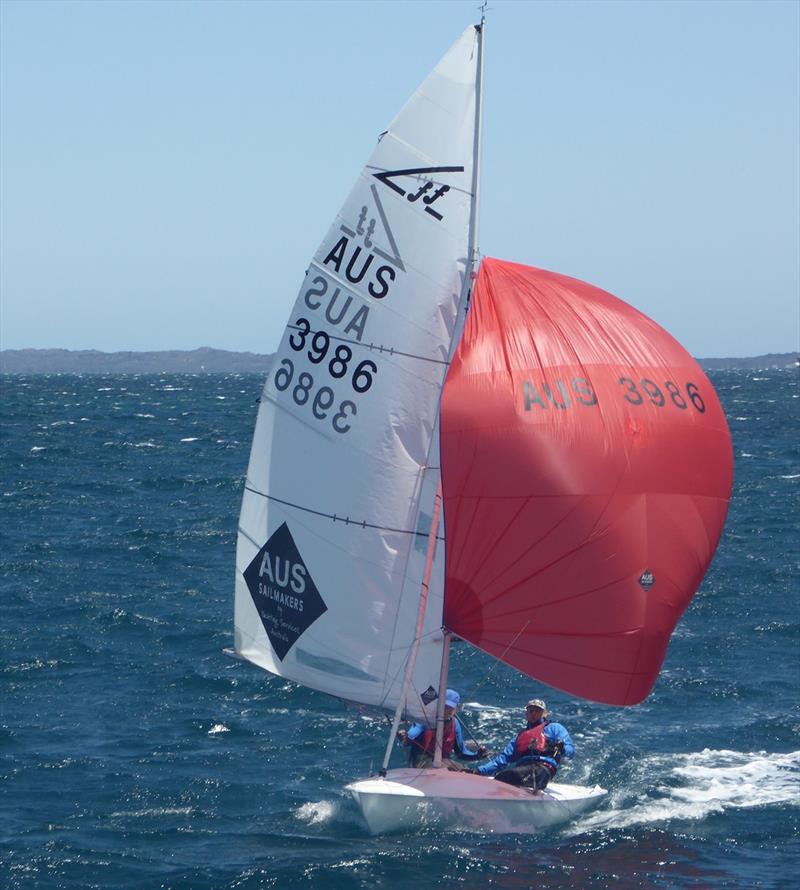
{"x": 586, "y": 471}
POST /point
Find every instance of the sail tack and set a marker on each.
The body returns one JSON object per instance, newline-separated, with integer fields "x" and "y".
{"x": 344, "y": 465}
{"x": 587, "y": 470}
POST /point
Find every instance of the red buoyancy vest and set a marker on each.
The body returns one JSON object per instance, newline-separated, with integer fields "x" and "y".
{"x": 428, "y": 739}
{"x": 533, "y": 736}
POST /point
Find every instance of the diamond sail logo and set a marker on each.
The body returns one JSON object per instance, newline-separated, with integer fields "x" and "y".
{"x": 647, "y": 579}
{"x": 283, "y": 591}
{"x": 429, "y": 695}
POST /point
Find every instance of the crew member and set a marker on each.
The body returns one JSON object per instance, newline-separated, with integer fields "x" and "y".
{"x": 532, "y": 757}
{"x": 421, "y": 739}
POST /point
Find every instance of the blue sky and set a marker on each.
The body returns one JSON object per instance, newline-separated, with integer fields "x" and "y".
{"x": 168, "y": 168}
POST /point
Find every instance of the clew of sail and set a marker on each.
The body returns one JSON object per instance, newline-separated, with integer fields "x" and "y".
{"x": 587, "y": 471}
{"x": 343, "y": 471}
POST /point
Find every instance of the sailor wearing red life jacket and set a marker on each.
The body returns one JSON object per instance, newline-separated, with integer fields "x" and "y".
{"x": 422, "y": 739}
{"x": 531, "y": 758}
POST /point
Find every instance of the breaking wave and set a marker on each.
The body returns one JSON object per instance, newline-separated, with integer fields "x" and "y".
{"x": 694, "y": 786}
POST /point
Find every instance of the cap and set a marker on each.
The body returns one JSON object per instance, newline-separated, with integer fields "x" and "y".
{"x": 537, "y": 703}
{"x": 452, "y": 699}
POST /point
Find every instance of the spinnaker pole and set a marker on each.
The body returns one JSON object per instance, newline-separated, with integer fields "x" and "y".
{"x": 423, "y": 602}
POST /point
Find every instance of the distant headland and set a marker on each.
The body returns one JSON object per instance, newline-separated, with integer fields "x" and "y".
{"x": 220, "y": 361}
{"x": 91, "y": 361}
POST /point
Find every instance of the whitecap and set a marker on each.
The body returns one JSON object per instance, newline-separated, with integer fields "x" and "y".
{"x": 793, "y": 476}
{"x": 488, "y": 709}
{"x": 317, "y": 812}
{"x": 740, "y": 780}
{"x": 190, "y": 439}
{"x": 218, "y": 728}
{"x": 38, "y": 448}
{"x": 155, "y": 811}
{"x": 694, "y": 786}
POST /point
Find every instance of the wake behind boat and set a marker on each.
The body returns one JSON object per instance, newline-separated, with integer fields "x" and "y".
{"x": 566, "y": 455}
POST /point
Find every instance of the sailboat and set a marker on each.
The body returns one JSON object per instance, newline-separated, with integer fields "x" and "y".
{"x": 449, "y": 447}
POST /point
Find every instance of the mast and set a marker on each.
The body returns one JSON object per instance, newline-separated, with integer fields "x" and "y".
{"x": 476, "y": 166}
{"x": 472, "y": 260}
{"x": 440, "y": 704}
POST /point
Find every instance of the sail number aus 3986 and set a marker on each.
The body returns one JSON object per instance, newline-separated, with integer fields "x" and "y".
{"x": 656, "y": 396}
{"x": 323, "y": 398}
{"x": 579, "y": 391}
{"x": 338, "y": 362}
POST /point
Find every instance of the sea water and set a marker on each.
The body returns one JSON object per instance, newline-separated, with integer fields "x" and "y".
{"x": 135, "y": 754}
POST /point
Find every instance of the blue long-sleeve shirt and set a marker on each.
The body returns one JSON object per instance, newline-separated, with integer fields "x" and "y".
{"x": 459, "y": 748}
{"x": 553, "y": 733}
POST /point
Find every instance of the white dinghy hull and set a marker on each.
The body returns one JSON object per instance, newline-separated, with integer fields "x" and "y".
{"x": 411, "y": 799}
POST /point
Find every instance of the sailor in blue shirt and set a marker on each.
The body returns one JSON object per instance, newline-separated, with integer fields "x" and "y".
{"x": 422, "y": 739}
{"x": 531, "y": 758}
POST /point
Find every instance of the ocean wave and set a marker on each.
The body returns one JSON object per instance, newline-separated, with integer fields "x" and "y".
{"x": 318, "y": 812}
{"x": 153, "y": 811}
{"x": 691, "y": 787}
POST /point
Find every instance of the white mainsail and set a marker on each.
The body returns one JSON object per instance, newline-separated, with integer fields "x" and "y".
{"x": 343, "y": 471}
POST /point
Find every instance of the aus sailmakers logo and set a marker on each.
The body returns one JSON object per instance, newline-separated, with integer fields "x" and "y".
{"x": 647, "y": 579}
{"x": 283, "y": 591}
{"x": 429, "y": 695}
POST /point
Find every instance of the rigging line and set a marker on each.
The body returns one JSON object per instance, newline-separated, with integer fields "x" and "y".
{"x": 469, "y": 731}
{"x": 372, "y": 347}
{"x": 361, "y": 523}
{"x": 252, "y": 540}
{"x": 412, "y": 654}
{"x": 500, "y": 657}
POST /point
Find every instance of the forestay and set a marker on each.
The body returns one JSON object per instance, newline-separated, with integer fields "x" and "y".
{"x": 344, "y": 464}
